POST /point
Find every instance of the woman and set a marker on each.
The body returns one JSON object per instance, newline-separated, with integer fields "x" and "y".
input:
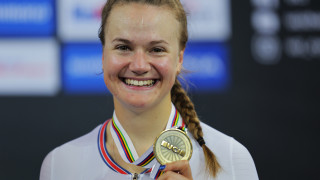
{"x": 143, "y": 46}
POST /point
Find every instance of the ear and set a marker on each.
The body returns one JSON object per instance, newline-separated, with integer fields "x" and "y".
{"x": 180, "y": 61}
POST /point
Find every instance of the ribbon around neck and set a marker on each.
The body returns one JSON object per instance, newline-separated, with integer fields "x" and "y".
{"x": 127, "y": 150}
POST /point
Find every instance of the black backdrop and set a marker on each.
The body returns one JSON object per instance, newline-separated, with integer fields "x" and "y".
{"x": 273, "y": 110}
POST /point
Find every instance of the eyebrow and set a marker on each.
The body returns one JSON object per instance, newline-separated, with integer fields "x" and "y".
{"x": 158, "y": 42}
{"x": 122, "y": 40}
{"x": 126, "y": 41}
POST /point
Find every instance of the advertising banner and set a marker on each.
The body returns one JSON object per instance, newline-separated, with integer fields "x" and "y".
{"x": 29, "y": 67}
{"x": 82, "y": 69}
{"x": 27, "y": 18}
{"x": 79, "y": 20}
{"x": 207, "y": 66}
{"x": 208, "y": 20}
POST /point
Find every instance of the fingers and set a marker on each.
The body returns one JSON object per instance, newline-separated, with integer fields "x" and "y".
{"x": 182, "y": 167}
{"x": 169, "y": 175}
{"x": 177, "y": 170}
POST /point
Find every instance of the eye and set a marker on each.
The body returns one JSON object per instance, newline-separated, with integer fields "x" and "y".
{"x": 158, "y": 50}
{"x": 123, "y": 48}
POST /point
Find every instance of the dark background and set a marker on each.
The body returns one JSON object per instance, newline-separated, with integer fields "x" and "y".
{"x": 273, "y": 110}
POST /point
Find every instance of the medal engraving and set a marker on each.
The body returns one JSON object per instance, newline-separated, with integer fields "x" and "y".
{"x": 172, "y": 145}
{"x": 173, "y": 148}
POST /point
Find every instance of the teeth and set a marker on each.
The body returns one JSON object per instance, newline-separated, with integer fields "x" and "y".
{"x": 135, "y": 82}
{"x": 132, "y": 82}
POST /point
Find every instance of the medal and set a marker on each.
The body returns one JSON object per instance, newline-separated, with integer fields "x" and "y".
{"x": 172, "y": 145}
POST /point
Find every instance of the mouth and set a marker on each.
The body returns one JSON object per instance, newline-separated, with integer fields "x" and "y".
{"x": 139, "y": 83}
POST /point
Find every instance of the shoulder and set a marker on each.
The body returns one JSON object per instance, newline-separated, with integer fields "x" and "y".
{"x": 70, "y": 156}
{"x": 219, "y": 141}
{"x": 233, "y": 157}
{"x": 212, "y": 135}
{"x": 85, "y": 141}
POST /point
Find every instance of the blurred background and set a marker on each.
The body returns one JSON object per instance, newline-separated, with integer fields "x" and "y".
{"x": 255, "y": 76}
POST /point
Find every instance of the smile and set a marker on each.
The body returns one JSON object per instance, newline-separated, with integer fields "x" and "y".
{"x": 140, "y": 83}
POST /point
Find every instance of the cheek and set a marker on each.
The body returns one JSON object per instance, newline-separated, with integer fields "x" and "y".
{"x": 112, "y": 66}
{"x": 168, "y": 68}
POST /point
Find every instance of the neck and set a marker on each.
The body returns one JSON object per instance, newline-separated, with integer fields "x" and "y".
{"x": 143, "y": 126}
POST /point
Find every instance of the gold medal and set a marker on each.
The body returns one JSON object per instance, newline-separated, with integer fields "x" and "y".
{"x": 172, "y": 145}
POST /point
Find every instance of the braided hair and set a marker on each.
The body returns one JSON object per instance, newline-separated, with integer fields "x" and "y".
{"x": 186, "y": 108}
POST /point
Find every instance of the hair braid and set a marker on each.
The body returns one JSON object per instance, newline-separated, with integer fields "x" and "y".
{"x": 186, "y": 108}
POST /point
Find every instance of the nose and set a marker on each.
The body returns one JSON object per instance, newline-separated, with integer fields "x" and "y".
{"x": 139, "y": 63}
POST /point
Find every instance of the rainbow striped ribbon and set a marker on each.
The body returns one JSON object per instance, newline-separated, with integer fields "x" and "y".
{"x": 104, "y": 153}
{"x": 106, "y": 156}
{"x": 126, "y": 148}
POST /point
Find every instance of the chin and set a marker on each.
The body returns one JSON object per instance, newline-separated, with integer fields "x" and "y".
{"x": 139, "y": 103}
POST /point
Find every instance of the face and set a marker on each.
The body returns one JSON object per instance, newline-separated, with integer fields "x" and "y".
{"x": 141, "y": 56}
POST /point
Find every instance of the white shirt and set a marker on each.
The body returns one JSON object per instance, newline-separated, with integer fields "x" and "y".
{"x": 80, "y": 160}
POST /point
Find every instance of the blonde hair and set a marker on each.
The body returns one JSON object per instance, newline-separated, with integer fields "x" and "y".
{"x": 179, "y": 96}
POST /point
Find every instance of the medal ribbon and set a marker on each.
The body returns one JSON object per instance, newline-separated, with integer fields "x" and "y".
{"x": 104, "y": 153}
{"x": 126, "y": 148}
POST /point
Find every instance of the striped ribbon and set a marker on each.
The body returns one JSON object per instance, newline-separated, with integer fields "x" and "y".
{"x": 126, "y": 148}
{"x": 104, "y": 153}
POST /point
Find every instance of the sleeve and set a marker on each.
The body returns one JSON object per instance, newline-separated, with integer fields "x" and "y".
{"x": 46, "y": 167}
{"x": 242, "y": 163}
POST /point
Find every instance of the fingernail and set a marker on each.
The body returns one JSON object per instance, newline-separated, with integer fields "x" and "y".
{"x": 162, "y": 167}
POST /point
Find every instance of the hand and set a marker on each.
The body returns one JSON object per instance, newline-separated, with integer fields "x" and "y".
{"x": 179, "y": 170}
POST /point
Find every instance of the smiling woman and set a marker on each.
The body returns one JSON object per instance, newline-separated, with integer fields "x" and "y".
{"x": 154, "y": 129}
{"x": 141, "y": 44}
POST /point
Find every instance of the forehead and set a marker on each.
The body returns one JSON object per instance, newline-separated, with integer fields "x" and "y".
{"x": 134, "y": 18}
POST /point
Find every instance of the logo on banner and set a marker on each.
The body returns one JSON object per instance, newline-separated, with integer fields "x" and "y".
{"x": 86, "y": 13}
